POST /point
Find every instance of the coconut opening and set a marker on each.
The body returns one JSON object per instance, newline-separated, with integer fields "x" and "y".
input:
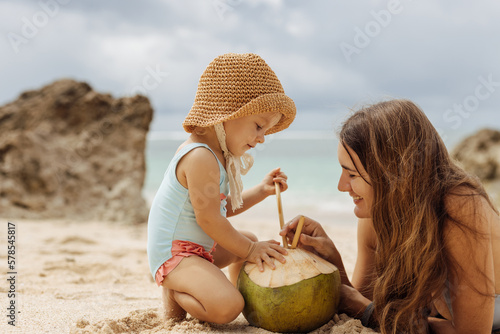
{"x": 299, "y": 265}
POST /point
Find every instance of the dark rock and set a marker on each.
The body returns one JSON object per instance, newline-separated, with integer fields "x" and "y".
{"x": 480, "y": 155}
{"x": 67, "y": 151}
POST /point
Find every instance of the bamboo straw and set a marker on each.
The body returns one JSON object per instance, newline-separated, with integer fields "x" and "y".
{"x": 298, "y": 230}
{"x": 280, "y": 211}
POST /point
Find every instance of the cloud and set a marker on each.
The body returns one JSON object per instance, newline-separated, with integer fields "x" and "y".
{"x": 432, "y": 52}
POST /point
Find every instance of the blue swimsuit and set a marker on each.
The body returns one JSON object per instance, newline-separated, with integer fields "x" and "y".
{"x": 172, "y": 215}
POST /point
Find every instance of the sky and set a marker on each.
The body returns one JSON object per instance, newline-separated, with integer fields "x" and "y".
{"x": 330, "y": 56}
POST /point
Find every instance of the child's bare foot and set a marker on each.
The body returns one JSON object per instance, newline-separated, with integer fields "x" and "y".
{"x": 172, "y": 309}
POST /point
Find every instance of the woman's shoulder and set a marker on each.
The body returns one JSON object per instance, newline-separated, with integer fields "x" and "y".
{"x": 469, "y": 208}
{"x": 462, "y": 199}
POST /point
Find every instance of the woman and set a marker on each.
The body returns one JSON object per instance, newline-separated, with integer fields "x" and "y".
{"x": 428, "y": 235}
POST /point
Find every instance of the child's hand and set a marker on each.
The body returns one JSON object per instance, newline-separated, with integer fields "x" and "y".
{"x": 266, "y": 251}
{"x": 276, "y": 175}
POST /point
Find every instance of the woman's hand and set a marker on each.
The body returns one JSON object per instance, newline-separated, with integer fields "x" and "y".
{"x": 265, "y": 252}
{"x": 275, "y": 176}
{"x": 313, "y": 238}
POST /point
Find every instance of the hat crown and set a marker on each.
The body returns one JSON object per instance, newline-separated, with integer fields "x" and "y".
{"x": 230, "y": 82}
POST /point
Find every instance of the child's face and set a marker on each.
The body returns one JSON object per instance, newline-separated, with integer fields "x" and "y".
{"x": 246, "y": 132}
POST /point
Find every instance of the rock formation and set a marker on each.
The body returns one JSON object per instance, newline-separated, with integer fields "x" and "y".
{"x": 480, "y": 155}
{"x": 67, "y": 151}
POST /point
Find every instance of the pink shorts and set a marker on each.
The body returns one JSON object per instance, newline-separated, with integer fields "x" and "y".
{"x": 180, "y": 250}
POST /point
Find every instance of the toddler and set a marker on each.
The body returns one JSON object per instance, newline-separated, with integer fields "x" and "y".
{"x": 238, "y": 101}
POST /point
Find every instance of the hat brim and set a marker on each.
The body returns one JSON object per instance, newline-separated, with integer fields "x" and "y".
{"x": 274, "y": 102}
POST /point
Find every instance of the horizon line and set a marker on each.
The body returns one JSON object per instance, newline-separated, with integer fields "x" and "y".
{"x": 287, "y": 135}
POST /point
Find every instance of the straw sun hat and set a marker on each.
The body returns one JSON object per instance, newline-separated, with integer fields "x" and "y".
{"x": 232, "y": 86}
{"x": 236, "y": 85}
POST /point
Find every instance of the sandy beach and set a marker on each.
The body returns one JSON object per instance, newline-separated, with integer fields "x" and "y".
{"x": 93, "y": 277}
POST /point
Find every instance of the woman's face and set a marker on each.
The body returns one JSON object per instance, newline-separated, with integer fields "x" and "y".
{"x": 352, "y": 182}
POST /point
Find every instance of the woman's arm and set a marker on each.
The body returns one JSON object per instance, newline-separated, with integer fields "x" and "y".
{"x": 259, "y": 192}
{"x": 364, "y": 271}
{"x": 472, "y": 283}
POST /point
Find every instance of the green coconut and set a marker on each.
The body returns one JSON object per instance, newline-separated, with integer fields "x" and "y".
{"x": 298, "y": 296}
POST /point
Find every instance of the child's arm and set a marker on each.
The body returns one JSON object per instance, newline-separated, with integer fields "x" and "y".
{"x": 259, "y": 192}
{"x": 200, "y": 171}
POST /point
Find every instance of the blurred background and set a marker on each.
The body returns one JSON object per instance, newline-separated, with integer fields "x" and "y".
{"x": 331, "y": 56}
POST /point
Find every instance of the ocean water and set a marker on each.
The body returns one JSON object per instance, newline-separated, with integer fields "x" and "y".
{"x": 308, "y": 158}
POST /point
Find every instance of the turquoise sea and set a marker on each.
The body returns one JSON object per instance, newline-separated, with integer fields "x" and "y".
{"x": 308, "y": 158}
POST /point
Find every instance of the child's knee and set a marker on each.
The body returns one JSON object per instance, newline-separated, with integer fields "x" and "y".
{"x": 229, "y": 309}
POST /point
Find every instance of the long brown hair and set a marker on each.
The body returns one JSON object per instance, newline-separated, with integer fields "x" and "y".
{"x": 411, "y": 173}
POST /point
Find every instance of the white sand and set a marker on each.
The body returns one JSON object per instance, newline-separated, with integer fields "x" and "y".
{"x": 93, "y": 277}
